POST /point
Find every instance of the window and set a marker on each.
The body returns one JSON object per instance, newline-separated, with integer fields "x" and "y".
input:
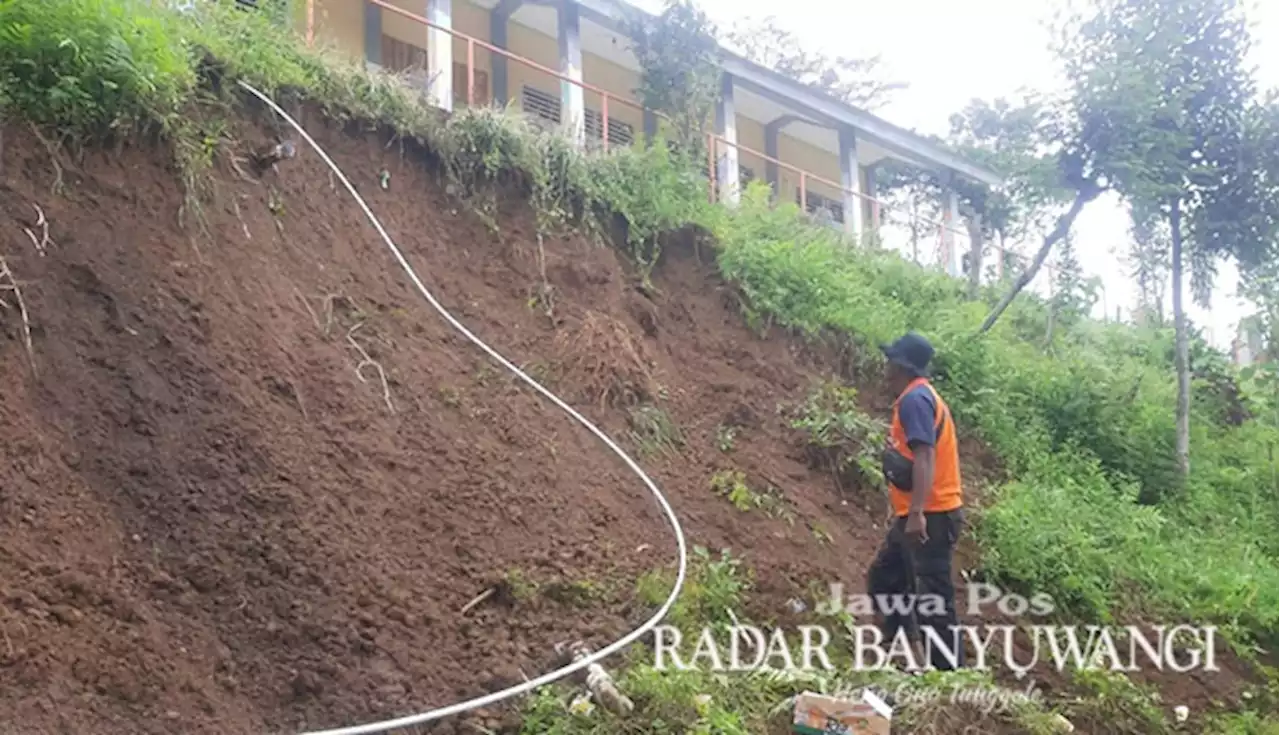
{"x": 406, "y": 58}
{"x": 620, "y": 133}
{"x": 546, "y": 108}
{"x": 815, "y": 202}
{"x": 542, "y": 106}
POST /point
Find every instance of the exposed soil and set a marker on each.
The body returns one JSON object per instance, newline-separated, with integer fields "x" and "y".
{"x": 215, "y": 519}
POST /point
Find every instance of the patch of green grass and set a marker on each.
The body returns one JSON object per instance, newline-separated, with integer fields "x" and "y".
{"x": 519, "y": 585}
{"x": 1113, "y": 703}
{"x": 713, "y": 586}
{"x": 653, "y": 431}
{"x": 576, "y": 593}
{"x": 725, "y": 436}
{"x": 732, "y": 486}
{"x": 841, "y": 435}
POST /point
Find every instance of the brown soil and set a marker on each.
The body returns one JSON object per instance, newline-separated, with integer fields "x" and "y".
{"x": 214, "y": 518}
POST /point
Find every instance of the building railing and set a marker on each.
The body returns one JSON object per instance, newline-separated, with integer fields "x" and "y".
{"x": 948, "y": 236}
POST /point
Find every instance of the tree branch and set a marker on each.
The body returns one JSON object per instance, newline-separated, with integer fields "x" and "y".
{"x": 1084, "y": 195}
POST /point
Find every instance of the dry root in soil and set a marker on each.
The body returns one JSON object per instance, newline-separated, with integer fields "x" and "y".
{"x": 604, "y": 359}
{"x": 10, "y": 284}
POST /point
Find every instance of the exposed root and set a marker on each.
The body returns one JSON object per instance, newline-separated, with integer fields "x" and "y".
{"x": 57, "y": 187}
{"x": 326, "y": 325}
{"x": 544, "y": 297}
{"x": 367, "y": 361}
{"x": 236, "y": 164}
{"x": 602, "y": 356}
{"x": 477, "y": 600}
{"x": 42, "y": 244}
{"x": 12, "y": 285}
{"x": 328, "y": 313}
{"x": 243, "y": 224}
{"x": 297, "y": 395}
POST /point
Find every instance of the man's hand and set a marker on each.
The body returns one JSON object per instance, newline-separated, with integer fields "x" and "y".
{"x": 915, "y": 529}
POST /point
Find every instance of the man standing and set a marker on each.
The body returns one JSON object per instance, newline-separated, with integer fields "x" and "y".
{"x": 910, "y": 579}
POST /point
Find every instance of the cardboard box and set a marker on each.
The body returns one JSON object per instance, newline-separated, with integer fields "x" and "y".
{"x": 816, "y": 714}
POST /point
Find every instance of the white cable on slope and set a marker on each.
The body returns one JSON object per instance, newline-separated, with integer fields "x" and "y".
{"x": 583, "y": 663}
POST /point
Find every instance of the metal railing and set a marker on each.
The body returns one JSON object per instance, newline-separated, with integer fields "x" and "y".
{"x": 948, "y": 236}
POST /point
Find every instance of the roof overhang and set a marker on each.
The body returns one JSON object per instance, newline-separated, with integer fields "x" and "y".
{"x": 900, "y": 142}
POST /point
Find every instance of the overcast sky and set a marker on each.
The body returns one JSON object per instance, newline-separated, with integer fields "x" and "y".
{"x": 950, "y": 52}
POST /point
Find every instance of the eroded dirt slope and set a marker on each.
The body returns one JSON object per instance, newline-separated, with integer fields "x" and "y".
{"x": 214, "y": 518}
{"x": 210, "y": 523}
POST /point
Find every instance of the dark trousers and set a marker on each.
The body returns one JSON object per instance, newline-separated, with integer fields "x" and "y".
{"x": 907, "y": 579}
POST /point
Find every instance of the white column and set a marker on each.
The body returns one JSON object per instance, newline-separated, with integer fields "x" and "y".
{"x": 851, "y": 181}
{"x": 440, "y": 54}
{"x": 727, "y": 128}
{"x": 572, "y": 111}
{"x": 951, "y": 223}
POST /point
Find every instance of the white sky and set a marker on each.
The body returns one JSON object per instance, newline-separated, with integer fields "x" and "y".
{"x": 950, "y": 52}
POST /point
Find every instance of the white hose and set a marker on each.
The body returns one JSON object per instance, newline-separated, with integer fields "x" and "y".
{"x": 583, "y": 663}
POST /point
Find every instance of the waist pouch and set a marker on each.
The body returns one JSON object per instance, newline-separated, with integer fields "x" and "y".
{"x": 897, "y": 469}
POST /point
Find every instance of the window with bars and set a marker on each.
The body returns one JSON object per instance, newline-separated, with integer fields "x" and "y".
{"x": 816, "y": 203}
{"x": 546, "y": 107}
{"x": 406, "y": 58}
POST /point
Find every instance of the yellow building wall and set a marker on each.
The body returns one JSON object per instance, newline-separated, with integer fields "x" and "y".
{"x": 619, "y": 82}
{"x": 340, "y": 24}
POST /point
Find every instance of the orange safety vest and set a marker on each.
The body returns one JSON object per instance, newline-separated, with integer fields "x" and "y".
{"x": 945, "y": 495}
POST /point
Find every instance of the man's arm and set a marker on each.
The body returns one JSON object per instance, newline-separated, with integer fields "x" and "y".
{"x": 922, "y": 476}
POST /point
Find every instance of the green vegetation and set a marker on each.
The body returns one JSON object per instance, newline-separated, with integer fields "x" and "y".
{"x": 732, "y": 486}
{"x": 698, "y": 701}
{"x": 842, "y": 437}
{"x": 725, "y": 437}
{"x": 653, "y": 431}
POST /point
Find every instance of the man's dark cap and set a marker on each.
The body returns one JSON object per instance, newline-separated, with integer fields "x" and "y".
{"x": 911, "y": 352}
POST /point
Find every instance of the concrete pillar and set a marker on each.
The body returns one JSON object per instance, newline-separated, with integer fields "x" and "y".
{"x": 572, "y": 111}
{"x": 727, "y": 128}
{"x": 440, "y": 54}
{"x": 499, "y": 19}
{"x": 372, "y": 34}
{"x": 870, "y": 217}
{"x": 951, "y": 224}
{"x": 771, "y": 131}
{"x": 851, "y": 182}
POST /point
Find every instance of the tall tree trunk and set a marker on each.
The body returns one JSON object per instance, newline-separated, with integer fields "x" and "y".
{"x": 915, "y": 231}
{"x": 1060, "y": 229}
{"x": 1181, "y": 359}
{"x": 975, "y": 254}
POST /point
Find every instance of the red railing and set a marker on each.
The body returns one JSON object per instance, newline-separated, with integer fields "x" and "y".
{"x": 607, "y": 98}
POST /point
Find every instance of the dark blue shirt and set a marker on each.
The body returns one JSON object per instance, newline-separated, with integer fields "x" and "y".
{"x": 916, "y": 412}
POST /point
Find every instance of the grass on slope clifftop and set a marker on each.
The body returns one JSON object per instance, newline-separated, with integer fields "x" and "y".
{"x": 1084, "y": 424}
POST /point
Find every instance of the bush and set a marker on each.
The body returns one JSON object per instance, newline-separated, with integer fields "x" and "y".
{"x": 1085, "y": 426}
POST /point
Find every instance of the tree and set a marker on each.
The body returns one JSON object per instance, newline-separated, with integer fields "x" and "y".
{"x": 1149, "y": 263}
{"x": 679, "y": 68}
{"x": 1029, "y": 144}
{"x": 1006, "y": 137}
{"x": 858, "y": 81}
{"x": 1056, "y": 166}
{"x": 1169, "y": 111}
{"x": 1259, "y": 266}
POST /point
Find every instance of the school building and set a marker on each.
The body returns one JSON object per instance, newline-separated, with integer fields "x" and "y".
{"x": 568, "y": 63}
